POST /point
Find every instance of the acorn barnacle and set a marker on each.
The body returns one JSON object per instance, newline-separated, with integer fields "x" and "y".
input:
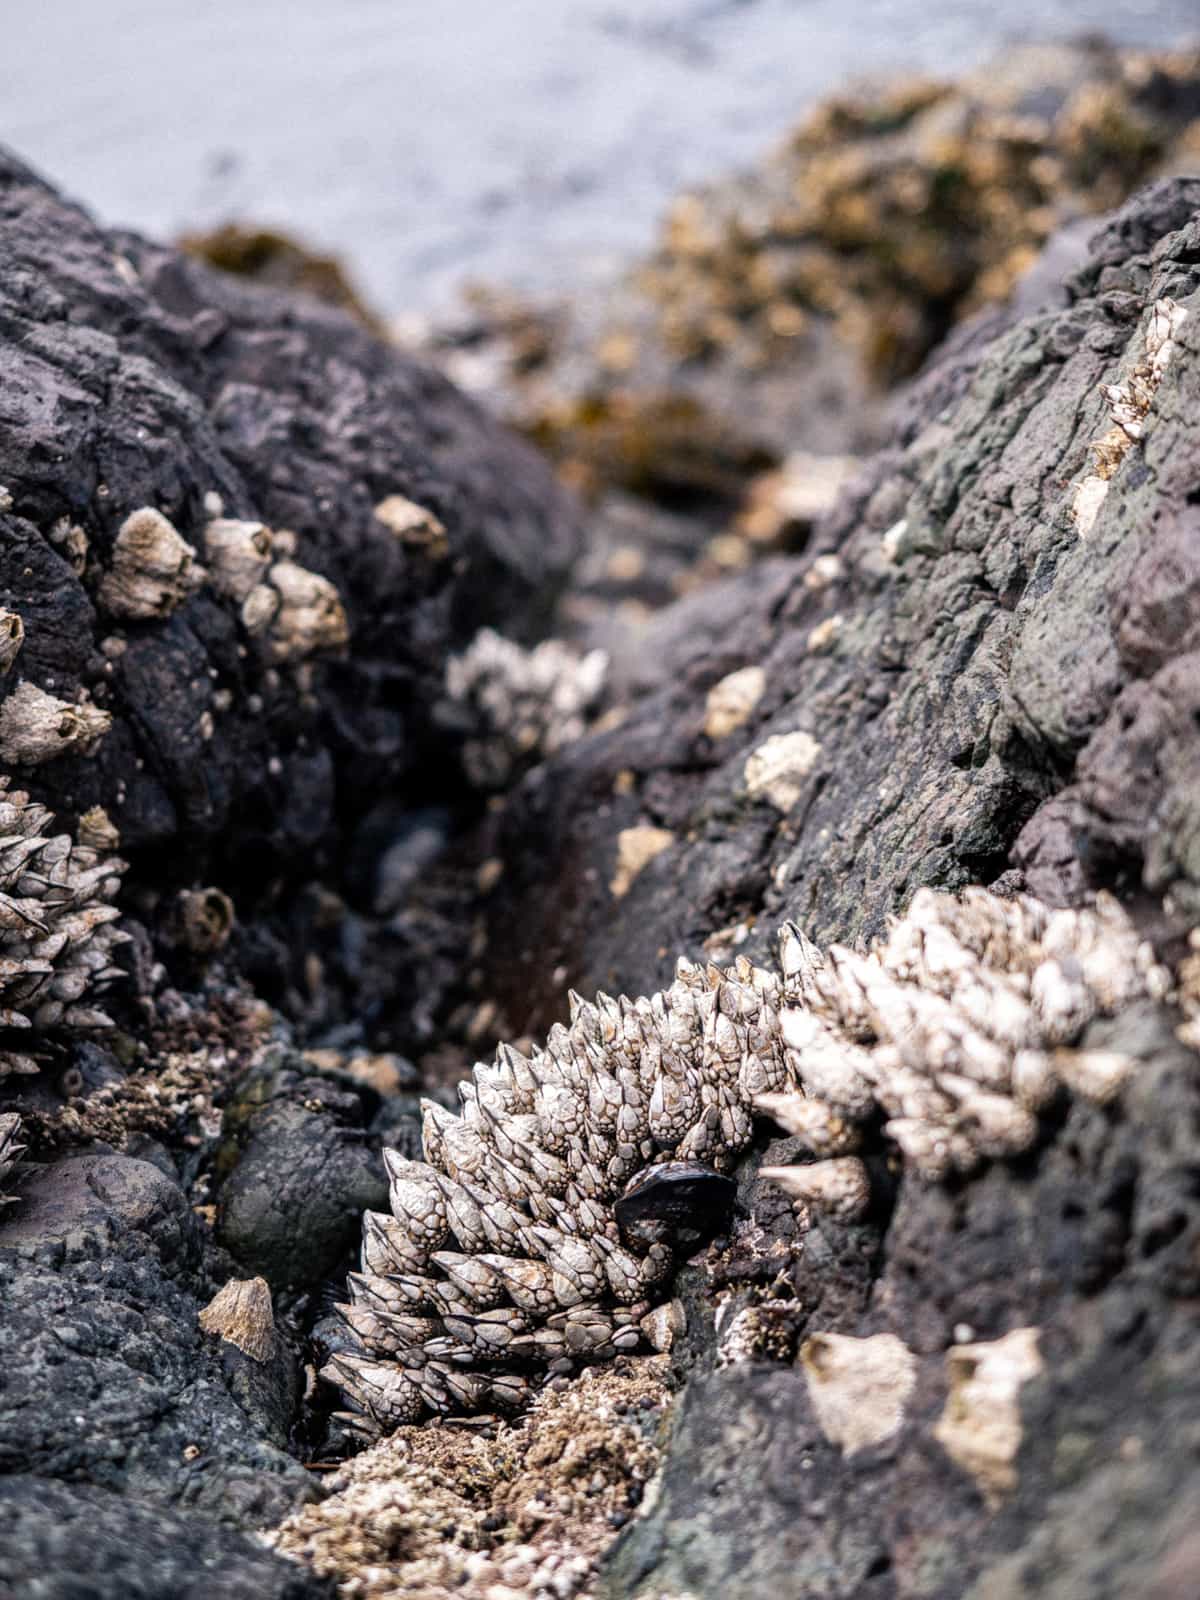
{"x": 58, "y": 933}
{"x": 543, "y": 1226}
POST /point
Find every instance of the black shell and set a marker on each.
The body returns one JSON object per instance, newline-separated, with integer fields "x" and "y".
{"x": 676, "y": 1202}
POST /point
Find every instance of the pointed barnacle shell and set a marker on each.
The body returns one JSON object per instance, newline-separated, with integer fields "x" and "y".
{"x": 840, "y": 1186}
{"x": 831, "y": 1067}
{"x": 859, "y": 1389}
{"x": 545, "y": 1221}
{"x": 980, "y": 1427}
{"x": 823, "y": 1131}
{"x": 311, "y": 616}
{"x": 1062, "y": 1001}
{"x": 10, "y": 1149}
{"x": 241, "y": 1314}
{"x": 238, "y": 555}
{"x": 1097, "y": 1075}
{"x": 153, "y": 569}
{"x": 12, "y": 637}
{"x": 36, "y": 726}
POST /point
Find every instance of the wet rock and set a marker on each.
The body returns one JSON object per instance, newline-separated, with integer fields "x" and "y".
{"x": 63, "y": 1541}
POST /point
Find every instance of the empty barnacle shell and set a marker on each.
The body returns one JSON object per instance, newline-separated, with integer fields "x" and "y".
{"x": 542, "y": 1227}
{"x": 241, "y": 1314}
{"x": 36, "y": 726}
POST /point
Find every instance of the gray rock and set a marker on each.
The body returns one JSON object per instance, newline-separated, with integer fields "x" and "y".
{"x": 106, "y": 1376}
{"x": 291, "y": 1209}
{"x": 71, "y": 1541}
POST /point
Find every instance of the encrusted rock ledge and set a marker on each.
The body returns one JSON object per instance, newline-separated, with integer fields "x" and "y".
{"x": 964, "y": 1363}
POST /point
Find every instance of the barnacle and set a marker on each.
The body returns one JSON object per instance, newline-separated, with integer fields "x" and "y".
{"x": 518, "y": 706}
{"x": 58, "y": 931}
{"x": 37, "y": 726}
{"x": 10, "y": 1128}
{"x": 542, "y": 1227}
{"x": 153, "y": 568}
{"x": 1128, "y": 405}
{"x": 961, "y": 1024}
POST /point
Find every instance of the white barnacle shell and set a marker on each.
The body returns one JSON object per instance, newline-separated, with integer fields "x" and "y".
{"x": 238, "y": 554}
{"x": 310, "y": 616}
{"x": 839, "y": 1186}
{"x": 12, "y": 637}
{"x": 153, "y": 570}
{"x": 859, "y": 1388}
{"x": 980, "y": 1427}
{"x": 58, "y": 930}
{"x": 10, "y": 1149}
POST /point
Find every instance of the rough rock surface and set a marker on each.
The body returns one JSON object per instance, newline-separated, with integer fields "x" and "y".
{"x": 76, "y": 1540}
{"x": 108, "y": 1383}
{"x": 950, "y": 649}
{"x": 952, "y": 685}
{"x": 134, "y": 377}
{"x": 980, "y": 688}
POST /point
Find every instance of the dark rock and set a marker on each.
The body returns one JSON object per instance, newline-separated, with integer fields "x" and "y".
{"x": 77, "y": 1542}
{"x": 105, "y": 1376}
{"x": 291, "y": 1208}
{"x": 135, "y": 377}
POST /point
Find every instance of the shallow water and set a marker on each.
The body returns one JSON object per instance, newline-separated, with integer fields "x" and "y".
{"x": 528, "y": 141}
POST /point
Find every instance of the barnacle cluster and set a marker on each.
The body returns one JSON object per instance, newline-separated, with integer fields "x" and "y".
{"x": 1129, "y": 405}
{"x": 961, "y": 1024}
{"x": 542, "y": 1226}
{"x": 10, "y": 1128}
{"x": 518, "y": 705}
{"x": 58, "y": 932}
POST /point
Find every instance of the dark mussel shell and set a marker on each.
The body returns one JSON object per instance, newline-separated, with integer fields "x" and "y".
{"x": 679, "y": 1203}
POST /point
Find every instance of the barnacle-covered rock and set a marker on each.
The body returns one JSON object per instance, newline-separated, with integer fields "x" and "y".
{"x": 58, "y": 933}
{"x": 542, "y": 1226}
{"x": 518, "y": 705}
{"x": 961, "y": 1024}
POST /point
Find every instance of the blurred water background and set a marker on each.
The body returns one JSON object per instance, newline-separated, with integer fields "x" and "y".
{"x": 528, "y": 142}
